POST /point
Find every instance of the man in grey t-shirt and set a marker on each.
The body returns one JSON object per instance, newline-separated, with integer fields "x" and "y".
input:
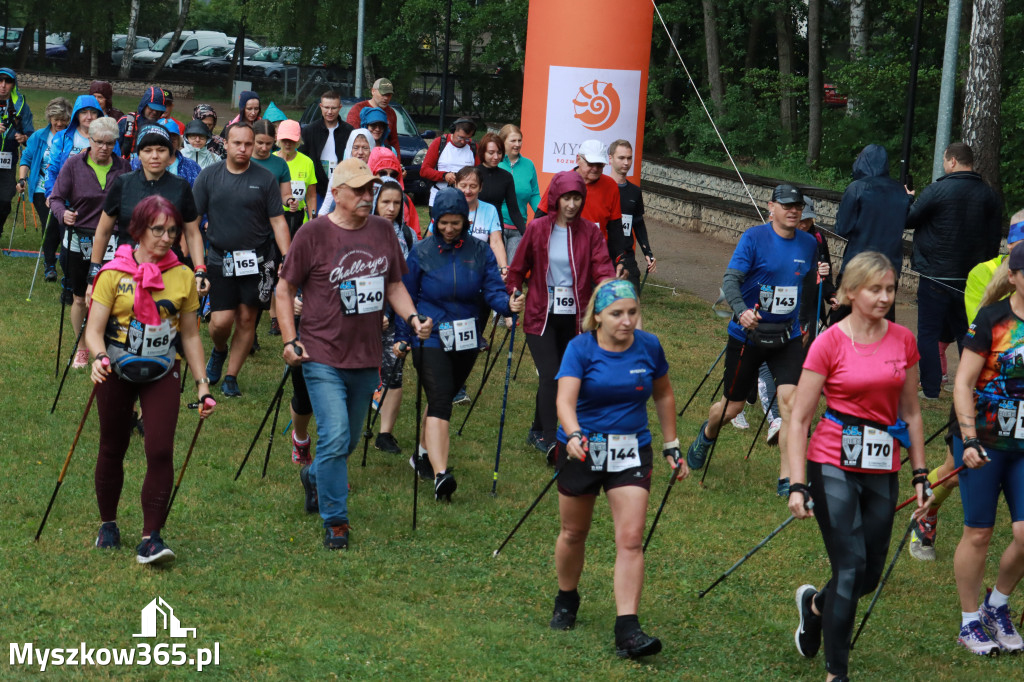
{"x": 242, "y": 202}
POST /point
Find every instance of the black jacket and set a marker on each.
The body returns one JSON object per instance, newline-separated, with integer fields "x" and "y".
{"x": 873, "y": 210}
{"x": 957, "y": 223}
{"x": 314, "y": 137}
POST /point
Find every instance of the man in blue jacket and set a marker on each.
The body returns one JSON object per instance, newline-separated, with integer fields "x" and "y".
{"x": 15, "y": 127}
{"x": 872, "y": 215}
{"x": 957, "y": 223}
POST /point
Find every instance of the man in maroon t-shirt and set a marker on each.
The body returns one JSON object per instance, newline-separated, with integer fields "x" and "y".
{"x": 346, "y": 263}
{"x": 380, "y": 97}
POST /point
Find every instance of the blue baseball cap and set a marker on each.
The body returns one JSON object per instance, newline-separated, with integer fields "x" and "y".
{"x": 1016, "y": 233}
{"x": 154, "y": 99}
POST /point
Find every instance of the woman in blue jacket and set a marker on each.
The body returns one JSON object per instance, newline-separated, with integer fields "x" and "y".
{"x": 450, "y": 272}
{"x": 32, "y": 176}
{"x": 74, "y": 139}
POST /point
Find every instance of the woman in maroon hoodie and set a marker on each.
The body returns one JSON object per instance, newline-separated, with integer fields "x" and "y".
{"x": 103, "y": 91}
{"x": 566, "y": 257}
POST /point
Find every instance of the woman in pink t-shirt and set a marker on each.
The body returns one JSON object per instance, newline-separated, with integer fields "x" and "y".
{"x": 867, "y": 368}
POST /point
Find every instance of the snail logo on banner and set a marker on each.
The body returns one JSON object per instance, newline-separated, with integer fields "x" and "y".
{"x": 586, "y": 104}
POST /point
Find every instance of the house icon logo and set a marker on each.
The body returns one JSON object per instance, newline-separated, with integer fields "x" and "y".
{"x": 596, "y": 105}
{"x": 158, "y": 614}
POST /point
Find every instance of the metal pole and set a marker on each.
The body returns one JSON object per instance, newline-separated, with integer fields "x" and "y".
{"x": 946, "y": 94}
{"x": 443, "y": 104}
{"x": 908, "y": 122}
{"x": 359, "y": 47}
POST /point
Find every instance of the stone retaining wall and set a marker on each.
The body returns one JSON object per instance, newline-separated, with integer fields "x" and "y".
{"x": 130, "y": 89}
{"x": 712, "y": 200}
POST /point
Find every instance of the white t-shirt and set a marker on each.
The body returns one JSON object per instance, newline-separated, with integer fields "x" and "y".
{"x": 451, "y": 160}
{"x": 329, "y": 154}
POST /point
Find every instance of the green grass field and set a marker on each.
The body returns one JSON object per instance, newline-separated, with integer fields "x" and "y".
{"x": 252, "y": 576}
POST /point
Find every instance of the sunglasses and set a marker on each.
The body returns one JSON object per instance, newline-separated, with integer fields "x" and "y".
{"x": 387, "y": 174}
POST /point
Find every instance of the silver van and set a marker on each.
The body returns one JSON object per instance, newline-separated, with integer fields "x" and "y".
{"x": 189, "y": 42}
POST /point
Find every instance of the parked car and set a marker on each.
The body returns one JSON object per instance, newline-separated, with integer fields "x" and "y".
{"x": 118, "y": 42}
{"x": 195, "y": 61}
{"x": 412, "y": 143}
{"x": 189, "y": 42}
{"x": 222, "y": 63}
{"x": 833, "y": 99}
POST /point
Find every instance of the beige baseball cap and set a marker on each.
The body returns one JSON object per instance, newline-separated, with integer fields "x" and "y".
{"x": 354, "y": 173}
{"x": 384, "y": 86}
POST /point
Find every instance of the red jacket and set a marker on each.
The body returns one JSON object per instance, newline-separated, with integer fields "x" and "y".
{"x": 353, "y": 120}
{"x": 588, "y": 254}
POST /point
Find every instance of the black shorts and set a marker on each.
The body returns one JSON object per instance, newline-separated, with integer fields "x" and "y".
{"x": 742, "y": 362}
{"x": 576, "y": 479}
{"x": 76, "y": 267}
{"x": 255, "y": 291}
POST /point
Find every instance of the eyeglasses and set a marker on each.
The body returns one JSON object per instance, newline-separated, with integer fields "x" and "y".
{"x": 387, "y": 174}
{"x": 160, "y": 230}
{"x": 791, "y": 207}
{"x": 104, "y": 143}
{"x": 462, "y": 138}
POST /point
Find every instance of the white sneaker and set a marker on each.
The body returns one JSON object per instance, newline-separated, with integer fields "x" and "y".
{"x": 740, "y": 421}
{"x": 974, "y": 638}
{"x": 773, "y": 431}
{"x": 998, "y": 622}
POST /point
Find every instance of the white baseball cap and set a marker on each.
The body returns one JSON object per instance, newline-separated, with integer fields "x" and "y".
{"x": 594, "y": 151}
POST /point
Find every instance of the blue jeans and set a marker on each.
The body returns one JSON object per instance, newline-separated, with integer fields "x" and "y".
{"x": 340, "y": 398}
{"x": 938, "y": 305}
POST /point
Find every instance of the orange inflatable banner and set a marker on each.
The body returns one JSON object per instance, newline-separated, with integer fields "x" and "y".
{"x": 585, "y": 78}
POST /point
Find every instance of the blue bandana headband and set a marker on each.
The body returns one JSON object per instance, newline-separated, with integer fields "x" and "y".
{"x": 615, "y": 291}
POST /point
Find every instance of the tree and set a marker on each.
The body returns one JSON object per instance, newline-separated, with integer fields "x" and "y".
{"x": 981, "y": 127}
{"x": 815, "y": 81}
{"x": 185, "y": 4}
{"x": 784, "y": 38}
{"x": 858, "y": 38}
{"x": 715, "y": 78}
{"x": 129, "y": 45}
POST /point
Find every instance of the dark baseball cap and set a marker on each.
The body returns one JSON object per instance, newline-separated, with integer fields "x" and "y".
{"x": 1017, "y": 259}
{"x": 154, "y": 99}
{"x": 787, "y": 194}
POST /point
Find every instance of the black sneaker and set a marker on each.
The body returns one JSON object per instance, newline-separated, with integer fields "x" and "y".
{"x": 67, "y": 296}
{"x": 444, "y": 486}
{"x": 109, "y": 536}
{"x": 386, "y": 442}
{"x": 552, "y": 454}
{"x": 636, "y": 645}
{"x": 152, "y": 550}
{"x": 564, "y": 616}
{"x": 808, "y": 635}
{"x": 336, "y": 537}
{"x": 230, "y": 387}
{"x": 215, "y": 365}
{"x": 50, "y": 273}
{"x": 312, "y": 500}
{"x": 536, "y": 439}
{"x": 275, "y": 327}
{"x": 422, "y": 466}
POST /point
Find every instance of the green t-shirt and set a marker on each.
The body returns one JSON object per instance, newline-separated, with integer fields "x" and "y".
{"x": 303, "y": 176}
{"x": 101, "y": 171}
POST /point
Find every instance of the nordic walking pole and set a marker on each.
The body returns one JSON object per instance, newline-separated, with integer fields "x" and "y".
{"x": 544, "y": 492}
{"x": 60, "y": 338}
{"x": 67, "y": 367}
{"x": 881, "y": 584}
{"x": 490, "y": 341}
{"x": 274, "y": 402}
{"x": 931, "y": 438}
{"x": 701, "y": 384}
{"x": 764, "y": 418}
{"x": 939, "y": 482}
{"x": 39, "y": 257}
{"x": 668, "y": 490}
{"x": 721, "y": 423}
{"x": 419, "y": 413}
{"x": 184, "y": 374}
{"x": 643, "y": 282}
{"x": 483, "y": 382}
{"x": 67, "y": 460}
{"x": 17, "y": 205}
{"x": 504, "y": 401}
{"x": 522, "y": 351}
{"x": 273, "y": 429}
{"x": 700, "y": 595}
{"x": 188, "y": 456}
{"x": 372, "y": 414}
{"x": 817, "y": 311}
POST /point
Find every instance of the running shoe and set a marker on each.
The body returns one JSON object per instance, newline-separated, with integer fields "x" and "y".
{"x": 421, "y": 465}
{"x": 67, "y": 297}
{"x": 636, "y": 645}
{"x": 336, "y": 537}
{"x": 312, "y": 500}
{"x": 808, "y": 635}
{"x": 461, "y": 398}
{"x": 109, "y": 536}
{"x": 998, "y": 622}
{"x": 300, "y": 451}
{"x": 773, "y": 431}
{"x": 215, "y": 365}
{"x": 444, "y": 486}
{"x": 782, "y": 489}
{"x": 50, "y": 273}
{"x": 152, "y": 550}
{"x": 740, "y": 421}
{"x": 564, "y": 616}
{"x": 387, "y": 443}
{"x": 230, "y": 387}
{"x": 536, "y": 440}
{"x": 974, "y": 638}
{"x": 275, "y": 327}
{"x": 81, "y": 358}
{"x": 552, "y": 455}
{"x": 698, "y": 451}
{"x": 922, "y": 538}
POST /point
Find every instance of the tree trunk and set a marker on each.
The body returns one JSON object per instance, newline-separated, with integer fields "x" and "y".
{"x": 129, "y": 45}
{"x": 815, "y": 82}
{"x": 858, "y": 29}
{"x": 660, "y": 115}
{"x": 236, "y": 56}
{"x": 750, "y": 60}
{"x": 185, "y": 4}
{"x": 24, "y": 47}
{"x": 714, "y": 57}
{"x": 981, "y": 127}
{"x": 787, "y": 102}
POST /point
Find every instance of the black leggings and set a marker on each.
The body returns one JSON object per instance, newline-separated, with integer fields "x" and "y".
{"x": 547, "y": 350}
{"x": 443, "y": 374}
{"x": 53, "y": 230}
{"x": 854, "y": 512}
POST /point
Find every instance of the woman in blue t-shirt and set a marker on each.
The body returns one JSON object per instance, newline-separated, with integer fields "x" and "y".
{"x": 604, "y": 441}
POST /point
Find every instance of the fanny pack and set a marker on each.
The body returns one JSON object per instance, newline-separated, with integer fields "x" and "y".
{"x": 136, "y": 368}
{"x": 770, "y": 335}
{"x": 898, "y": 430}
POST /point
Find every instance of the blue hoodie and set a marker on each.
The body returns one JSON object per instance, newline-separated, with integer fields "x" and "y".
{"x": 368, "y": 115}
{"x": 448, "y": 282}
{"x": 64, "y": 141}
{"x": 16, "y": 115}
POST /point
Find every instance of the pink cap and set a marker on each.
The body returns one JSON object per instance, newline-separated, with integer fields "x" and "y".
{"x": 289, "y": 130}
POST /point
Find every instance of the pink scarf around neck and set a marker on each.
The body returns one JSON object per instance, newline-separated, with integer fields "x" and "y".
{"x": 147, "y": 278}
